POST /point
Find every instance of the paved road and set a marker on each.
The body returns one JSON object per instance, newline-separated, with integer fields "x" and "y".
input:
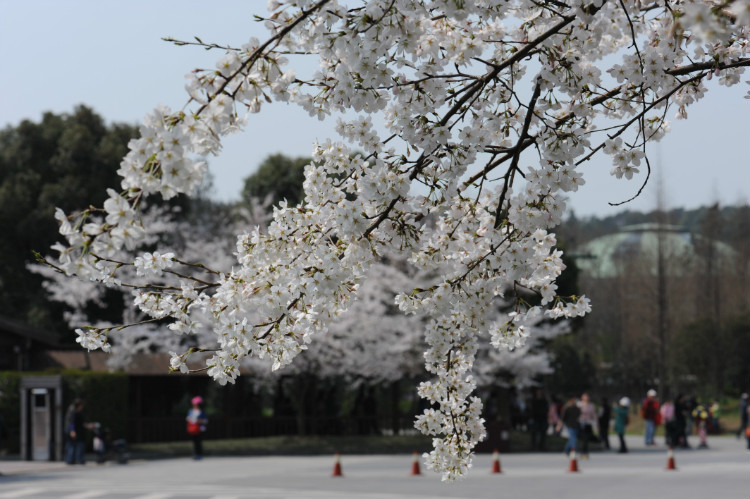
{"x": 721, "y": 471}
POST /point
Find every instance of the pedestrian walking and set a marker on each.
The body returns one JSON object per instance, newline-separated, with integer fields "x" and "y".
{"x": 588, "y": 418}
{"x": 700, "y": 419}
{"x": 690, "y": 404}
{"x": 621, "y": 421}
{"x": 196, "y": 425}
{"x": 604, "y": 414}
{"x": 75, "y": 426}
{"x": 715, "y": 411}
{"x": 650, "y": 415}
{"x": 571, "y": 418}
{"x": 681, "y": 414}
{"x": 743, "y": 415}
{"x": 553, "y": 416}
{"x": 667, "y": 418}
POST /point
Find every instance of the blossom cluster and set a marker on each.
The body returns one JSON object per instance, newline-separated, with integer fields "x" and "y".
{"x": 482, "y": 148}
{"x": 92, "y": 339}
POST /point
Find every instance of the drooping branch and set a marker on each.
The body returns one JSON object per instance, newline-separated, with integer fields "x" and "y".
{"x": 457, "y": 96}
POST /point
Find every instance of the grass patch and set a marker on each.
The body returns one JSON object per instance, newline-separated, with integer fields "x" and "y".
{"x": 375, "y": 444}
{"x": 729, "y": 420}
{"x": 289, "y": 445}
{"x": 319, "y": 445}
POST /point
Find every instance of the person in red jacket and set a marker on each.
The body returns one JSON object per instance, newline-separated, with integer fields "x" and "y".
{"x": 196, "y": 425}
{"x": 650, "y": 415}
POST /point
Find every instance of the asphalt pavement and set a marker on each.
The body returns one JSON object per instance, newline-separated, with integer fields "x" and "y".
{"x": 722, "y": 471}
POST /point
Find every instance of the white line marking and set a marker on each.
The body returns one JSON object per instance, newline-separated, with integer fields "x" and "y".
{"x": 86, "y": 495}
{"x": 21, "y": 493}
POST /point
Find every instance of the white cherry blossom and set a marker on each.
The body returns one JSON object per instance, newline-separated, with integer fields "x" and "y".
{"x": 489, "y": 109}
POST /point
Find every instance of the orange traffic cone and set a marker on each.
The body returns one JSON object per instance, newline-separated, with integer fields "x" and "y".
{"x": 337, "y": 465}
{"x": 415, "y": 465}
{"x": 573, "y": 463}
{"x": 496, "y": 462}
{"x": 670, "y": 459}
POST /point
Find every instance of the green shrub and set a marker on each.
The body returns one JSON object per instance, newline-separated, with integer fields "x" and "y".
{"x": 10, "y": 410}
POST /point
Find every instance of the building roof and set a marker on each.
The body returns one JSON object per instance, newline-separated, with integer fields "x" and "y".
{"x": 23, "y": 330}
{"x": 609, "y": 256}
{"x": 140, "y": 364}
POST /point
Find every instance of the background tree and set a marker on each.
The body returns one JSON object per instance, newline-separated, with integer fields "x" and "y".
{"x": 64, "y": 161}
{"x": 370, "y": 347}
{"x": 280, "y": 177}
{"x": 703, "y": 269}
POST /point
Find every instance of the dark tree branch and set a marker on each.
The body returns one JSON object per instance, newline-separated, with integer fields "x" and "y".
{"x": 517, "y": 152}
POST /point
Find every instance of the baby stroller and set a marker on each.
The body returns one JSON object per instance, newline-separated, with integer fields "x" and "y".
{"x": 105, "y": 448}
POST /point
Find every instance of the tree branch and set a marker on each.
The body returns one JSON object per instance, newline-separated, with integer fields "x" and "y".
{"x": 517, "y": 152}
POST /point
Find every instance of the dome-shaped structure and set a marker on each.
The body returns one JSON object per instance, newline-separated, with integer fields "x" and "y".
{"x": 638, "y": 245}
{"x": 662, "y": 299}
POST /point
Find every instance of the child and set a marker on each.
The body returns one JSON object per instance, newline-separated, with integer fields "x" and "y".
{"x": 700, "y": 416}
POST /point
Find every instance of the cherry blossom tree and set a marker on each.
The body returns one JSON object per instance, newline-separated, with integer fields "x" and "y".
{"x": 203, "y": 236}
{"x": 372, "y": 341}
{"x": 489, "y": 109}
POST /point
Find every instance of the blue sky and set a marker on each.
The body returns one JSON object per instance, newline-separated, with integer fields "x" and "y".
{"x": 110, "y": 56}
